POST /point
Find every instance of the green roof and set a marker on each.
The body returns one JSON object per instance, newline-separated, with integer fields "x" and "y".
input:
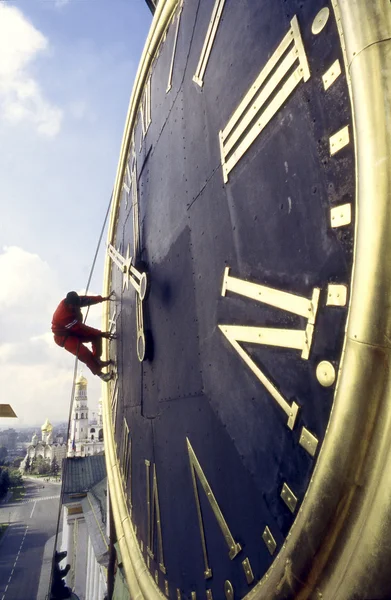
{"x": 80, "y": 474}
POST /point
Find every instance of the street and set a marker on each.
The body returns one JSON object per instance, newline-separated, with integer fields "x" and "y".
{"x": 32, "y": 521}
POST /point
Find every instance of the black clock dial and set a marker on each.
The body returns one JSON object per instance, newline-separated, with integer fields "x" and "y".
{"x": 238, "y": 206}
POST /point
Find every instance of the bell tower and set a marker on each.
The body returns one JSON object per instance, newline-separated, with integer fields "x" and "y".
{"x": 79, "y": 426}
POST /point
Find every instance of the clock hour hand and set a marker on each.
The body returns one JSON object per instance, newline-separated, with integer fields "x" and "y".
{"x": 125, "y": 265}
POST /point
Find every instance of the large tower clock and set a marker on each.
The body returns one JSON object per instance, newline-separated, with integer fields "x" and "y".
{"x": 248, "y": 425}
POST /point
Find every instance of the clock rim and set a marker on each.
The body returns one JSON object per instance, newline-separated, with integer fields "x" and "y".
{"x": 330, "y": 491}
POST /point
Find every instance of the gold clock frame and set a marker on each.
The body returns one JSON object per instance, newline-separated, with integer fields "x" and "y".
{"x": 350, "y": 481}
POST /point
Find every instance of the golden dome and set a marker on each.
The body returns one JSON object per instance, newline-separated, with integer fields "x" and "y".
{"x": 81, "y": 380}
{"x": 47, "y": 426}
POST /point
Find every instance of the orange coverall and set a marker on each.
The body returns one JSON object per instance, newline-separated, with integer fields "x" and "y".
{"x": 71, "y": 333}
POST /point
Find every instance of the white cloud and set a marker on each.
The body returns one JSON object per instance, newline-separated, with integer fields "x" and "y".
{"x": 28, "y": 294}
{"x": 36, "y": 374}
{"x": 21, "y": 96}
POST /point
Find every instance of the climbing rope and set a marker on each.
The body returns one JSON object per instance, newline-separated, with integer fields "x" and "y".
{"x": 73, "y": 389}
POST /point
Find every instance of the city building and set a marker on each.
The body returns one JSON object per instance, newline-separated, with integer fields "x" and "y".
{"x": 8, "y": 438}
{"x": 84, "y": 533}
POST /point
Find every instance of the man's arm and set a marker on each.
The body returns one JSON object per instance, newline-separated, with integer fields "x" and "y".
{"x": 90, "y": 300}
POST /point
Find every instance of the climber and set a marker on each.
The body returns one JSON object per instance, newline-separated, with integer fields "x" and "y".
{"x": 71, "y": 333}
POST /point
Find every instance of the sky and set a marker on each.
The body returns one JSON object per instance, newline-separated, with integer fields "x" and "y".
{"x": 67, "y": 69}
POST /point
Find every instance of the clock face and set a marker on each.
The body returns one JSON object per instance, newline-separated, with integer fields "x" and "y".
{"x": 231, "y": 253}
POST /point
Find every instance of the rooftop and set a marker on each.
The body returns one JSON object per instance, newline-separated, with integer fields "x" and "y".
{"x": 81, "y": 474}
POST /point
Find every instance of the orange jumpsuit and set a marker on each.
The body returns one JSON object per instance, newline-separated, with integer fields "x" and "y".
{"x": 71, "y": 333}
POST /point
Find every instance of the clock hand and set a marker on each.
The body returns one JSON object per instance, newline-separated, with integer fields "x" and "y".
{"x": 125, "y": 264}
{"x": 136, "y": 251}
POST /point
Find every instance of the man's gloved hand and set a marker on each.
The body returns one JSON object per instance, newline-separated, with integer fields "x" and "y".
{"x": 110, "y": 297}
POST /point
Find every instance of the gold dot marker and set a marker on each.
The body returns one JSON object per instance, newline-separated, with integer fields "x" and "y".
{"x": 320, "y": 20}
{"x": 325, "y": 373}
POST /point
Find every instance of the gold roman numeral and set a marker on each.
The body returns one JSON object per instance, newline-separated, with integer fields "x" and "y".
{"x": 114, "y": 403}
{"x": 145, "y": 108}
{"x": 208, "y": 43}
{"x": 297, "y": 339}
{"x": 264, "y": 98}
{"x": 169, "y": 83}
{"x": 153, "y": 508}
{"x": 126, "y": 452}
{"x": 196, "y": 471}
{"x": 126, "y": 184}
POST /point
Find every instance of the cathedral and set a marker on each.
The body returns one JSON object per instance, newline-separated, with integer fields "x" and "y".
{"x": 86, "y": 436}
{"x": 45, "y": 447}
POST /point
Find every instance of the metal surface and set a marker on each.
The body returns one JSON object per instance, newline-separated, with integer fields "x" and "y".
{"x": 323, "y": 543}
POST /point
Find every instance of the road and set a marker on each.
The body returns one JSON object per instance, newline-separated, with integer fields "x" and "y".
{"x": 33, "y": 521}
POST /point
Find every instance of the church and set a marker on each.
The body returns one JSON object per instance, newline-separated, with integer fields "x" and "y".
{"x": 45, "y": 447}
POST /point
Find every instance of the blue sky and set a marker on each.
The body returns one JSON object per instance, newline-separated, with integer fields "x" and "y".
{"x": 66, "y": 73}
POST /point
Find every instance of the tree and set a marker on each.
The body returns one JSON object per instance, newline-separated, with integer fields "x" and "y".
{"x": 17, "y": 461}
{"x": 33, "y": 464}
{"x": 27, "y": 465}
{"x": 43, "y": 466}
{"x": 15, "y": 477}
{"x": 3, "y": 454}
{"x": 4, "y": 482}
{"x": 54, "y": 467}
